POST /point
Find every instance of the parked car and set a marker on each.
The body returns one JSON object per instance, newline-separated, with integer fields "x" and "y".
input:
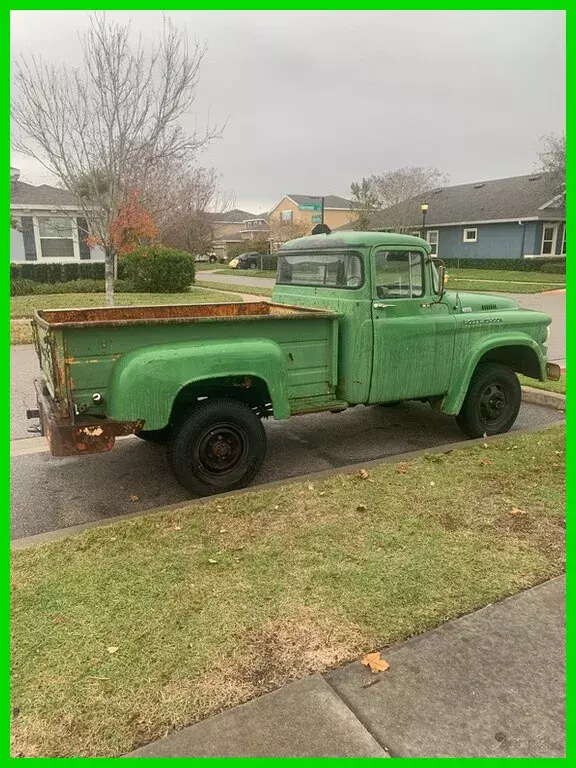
{"x": 250, "y": 260}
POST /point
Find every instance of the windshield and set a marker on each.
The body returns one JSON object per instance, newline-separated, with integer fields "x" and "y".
{"x": 330, "y": 270}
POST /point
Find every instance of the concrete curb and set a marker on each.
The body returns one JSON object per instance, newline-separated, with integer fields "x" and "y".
{"x": 45, "y": 538}
{"x": 543, "y": 397}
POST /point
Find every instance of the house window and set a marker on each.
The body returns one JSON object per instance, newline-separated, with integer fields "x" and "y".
{"x": 563, "y": 251}
{"x": 470, "y": 235}
{"x": 549, "y": 234}
{"x": 432, "y": 238}
{"x": 286, "y": 215}
{"x": 56, "y": 237}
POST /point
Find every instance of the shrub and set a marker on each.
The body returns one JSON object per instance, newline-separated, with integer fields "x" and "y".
{"x": 30, "y": 287}
{"x": 517, "y": 265}
{"x": 22, "y": 287}
{"x": 554, "y": 269}
{"x": 157, "y": 269}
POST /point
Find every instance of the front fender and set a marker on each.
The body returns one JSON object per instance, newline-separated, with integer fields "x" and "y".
{"x": 147, "y": 380}
{"x": 452, "y": 401}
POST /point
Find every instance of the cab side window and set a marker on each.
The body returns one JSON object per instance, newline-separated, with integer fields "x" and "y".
{"x": 399, "y": 274}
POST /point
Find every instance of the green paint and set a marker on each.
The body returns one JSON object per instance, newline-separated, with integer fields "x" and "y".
{"x": 357, "y": 347}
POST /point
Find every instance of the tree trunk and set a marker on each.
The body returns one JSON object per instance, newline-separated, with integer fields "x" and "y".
{"x": 109, "y": 260}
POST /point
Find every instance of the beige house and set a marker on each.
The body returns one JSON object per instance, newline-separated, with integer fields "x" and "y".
{"x": 297, "y": 215}
{"x": 235, "y": 226}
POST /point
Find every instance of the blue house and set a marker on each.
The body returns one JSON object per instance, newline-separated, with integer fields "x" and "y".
{"x": 517, "y": 217}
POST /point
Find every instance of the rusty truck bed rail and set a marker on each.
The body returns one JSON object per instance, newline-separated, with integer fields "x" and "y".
{"x": 183, "y": 313}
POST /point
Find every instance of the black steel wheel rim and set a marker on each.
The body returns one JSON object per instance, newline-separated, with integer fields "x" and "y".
{"x": 220, "y": 449}
{"x": 493, "y": 403}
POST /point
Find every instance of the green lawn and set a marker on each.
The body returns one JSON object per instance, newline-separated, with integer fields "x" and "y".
{"x": 129, "y": 630}
{"x": 552, "y": 386}
{"x": 24, "y": 306}
{"x": 506, "y": 281}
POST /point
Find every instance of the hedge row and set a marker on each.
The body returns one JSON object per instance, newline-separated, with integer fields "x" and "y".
{"x": 557, "y": 264}
{"x": 60, "y": 273}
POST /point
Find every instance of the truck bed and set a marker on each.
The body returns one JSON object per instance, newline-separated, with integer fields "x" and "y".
{"x": 78, "y": 348}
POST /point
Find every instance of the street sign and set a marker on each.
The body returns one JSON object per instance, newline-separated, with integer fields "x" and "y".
{"x": 311, "y": 207}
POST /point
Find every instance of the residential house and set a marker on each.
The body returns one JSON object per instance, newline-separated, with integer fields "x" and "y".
{"x": 517, "y": 217}
{"x": 46, "y": 225}
{"x": 297, "y": 215}
{"x": 235, "y": 226}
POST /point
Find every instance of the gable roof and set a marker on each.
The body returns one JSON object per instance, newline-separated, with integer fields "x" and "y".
{"x": 23, "y": 194}
{"x": 516, "y": 197}
{"x": 330, "y": 201}
{"x": 233, "y": 216}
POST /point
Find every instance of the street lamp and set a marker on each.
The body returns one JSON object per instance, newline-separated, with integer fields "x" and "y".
{"x": 424, "y": 208}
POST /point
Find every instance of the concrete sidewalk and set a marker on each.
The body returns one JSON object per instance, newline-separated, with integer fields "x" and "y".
{"x": 490, "y": 684}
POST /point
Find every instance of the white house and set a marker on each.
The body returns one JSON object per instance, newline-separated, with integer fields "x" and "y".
{"x": 46, "y": 225}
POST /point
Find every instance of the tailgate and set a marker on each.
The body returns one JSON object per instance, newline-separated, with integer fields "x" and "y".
{"x": 45, "y": 342}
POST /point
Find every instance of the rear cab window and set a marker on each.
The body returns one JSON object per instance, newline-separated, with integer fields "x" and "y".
{"x": 341, "y": 269}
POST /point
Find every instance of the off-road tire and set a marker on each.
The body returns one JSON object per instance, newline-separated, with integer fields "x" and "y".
{"x": 492, "y": 402}
{"x": 216, "y": 447}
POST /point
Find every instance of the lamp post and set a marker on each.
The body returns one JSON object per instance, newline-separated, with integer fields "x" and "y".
{"x": 424, "y": 208}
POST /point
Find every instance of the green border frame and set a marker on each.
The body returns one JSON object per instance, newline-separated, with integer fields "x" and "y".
{"x": 248, "y": 5}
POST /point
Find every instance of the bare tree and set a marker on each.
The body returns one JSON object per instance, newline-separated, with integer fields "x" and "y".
{"x": 552, "y": 156}
{"x": 392, "y": 188}
{"x": 184, "y": 205}
{"x": 282, "y": 231}
{"x": 102, "y": 129}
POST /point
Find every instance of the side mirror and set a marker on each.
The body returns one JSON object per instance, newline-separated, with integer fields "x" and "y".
{"x": 442, "y": 276}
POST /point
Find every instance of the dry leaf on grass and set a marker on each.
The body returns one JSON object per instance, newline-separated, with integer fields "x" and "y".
{"x": 361, "y": 508}
{"x": 486, "y": 461}
{"x": 112, "y": 648}
{"x": 212, "y": 561}
{"x": 375, "y": 662}
{"x": 401, "y": 469}
{"x": 517, "y": 512}
{"x": 133, "y": 497}
{"x": 364, "y": 474}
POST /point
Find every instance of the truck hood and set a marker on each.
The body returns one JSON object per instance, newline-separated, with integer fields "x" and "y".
{"x": 481, "y": 302}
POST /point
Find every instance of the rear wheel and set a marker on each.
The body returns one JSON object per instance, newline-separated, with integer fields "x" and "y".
{"x": 492, "y": 402}
{"x": 219, "y": 446}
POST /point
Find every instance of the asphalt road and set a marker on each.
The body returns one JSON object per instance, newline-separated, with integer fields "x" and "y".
{"x": 50, "y": 493}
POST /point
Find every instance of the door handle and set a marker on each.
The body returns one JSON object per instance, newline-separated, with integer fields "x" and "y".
{"x": 380, "y": 305}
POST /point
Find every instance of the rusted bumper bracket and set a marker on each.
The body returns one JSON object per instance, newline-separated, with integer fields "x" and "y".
{"x": 553, "y": 371}
{"x": 84, "y": 435}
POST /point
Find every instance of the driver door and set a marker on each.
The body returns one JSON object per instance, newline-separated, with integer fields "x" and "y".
{"x": 413, "y": 332}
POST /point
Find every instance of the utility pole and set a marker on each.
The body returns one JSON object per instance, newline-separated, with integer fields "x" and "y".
{"x": 322, "y": 210}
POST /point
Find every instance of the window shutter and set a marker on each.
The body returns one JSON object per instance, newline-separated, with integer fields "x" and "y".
{"x": 27, "y": 225}
{"x": 82, "y": 235}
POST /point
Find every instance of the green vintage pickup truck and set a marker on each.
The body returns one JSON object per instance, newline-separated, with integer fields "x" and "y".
{"x": 355, "y": 318}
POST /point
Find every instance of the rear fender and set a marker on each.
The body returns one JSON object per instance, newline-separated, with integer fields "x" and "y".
{"x": 454, "y": 398}
{"x": 147, "y": 380}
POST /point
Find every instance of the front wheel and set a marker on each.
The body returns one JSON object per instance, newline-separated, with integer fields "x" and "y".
{"x": 218, "y": 447}
{"x": 492, "y": 402}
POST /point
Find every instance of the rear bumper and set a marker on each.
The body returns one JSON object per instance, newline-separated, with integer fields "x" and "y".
{"x": 82, "y": 436}
{"x": 553, "y": 371}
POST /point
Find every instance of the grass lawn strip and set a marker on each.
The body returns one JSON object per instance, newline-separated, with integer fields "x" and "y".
{"x": 24, "y": 306}
{"x": 125, "y": 632}
{"x": 551, "y": 386}
{"x": 508, "y": 276}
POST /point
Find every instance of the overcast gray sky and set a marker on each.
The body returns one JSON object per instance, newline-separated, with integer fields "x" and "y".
{"x": 318, "y": 99}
